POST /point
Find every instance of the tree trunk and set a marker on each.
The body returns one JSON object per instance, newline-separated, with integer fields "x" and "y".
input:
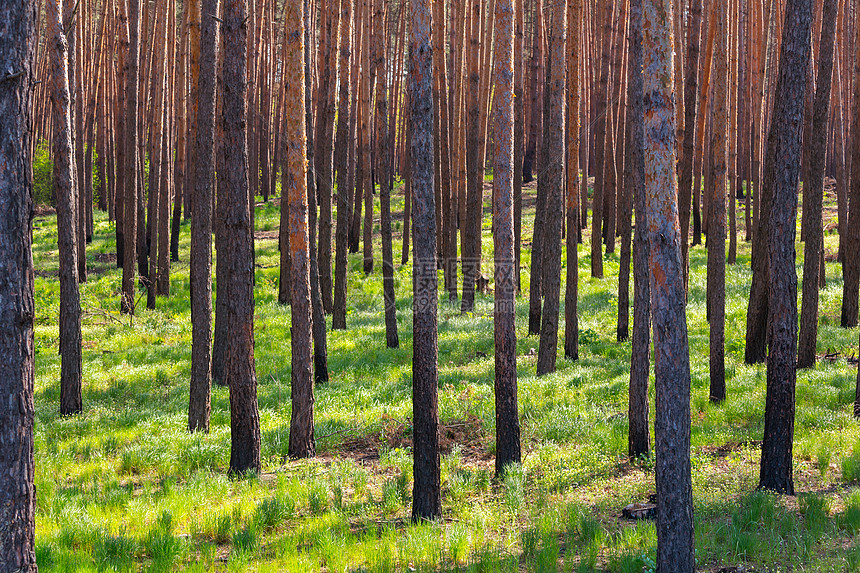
{"x": 474, "y": 164}
{"x": 65, "y": 188}
{"x": 716, "y": 281}
{"x": 323, "y": 137}
{"x": 552, "y": 169}
{"x": 571, "y": 295}
{"x": 507, "y": 416}
{"x": 519, "y": 133}
{"x": 201, "y": 227}
{"x": 317, "y": 306}
{"x": 814, "y": 189}
{"x": 426, "y": 492}
{"x": 671, "y": 350}
{"x": 782, "y": 174}
{"x": 639, "y": 436}
{"x": 239, "y": 373}
{"x": 302, "y": 443}
{"x": 130, "y": 202}
{"x": 851, "y": 262}
{"x": 383, "y": 171}
{"x": 685, "y": 167}
{"x": 601, "y": 96}
{"x": 17, "y": 312}
{"x": 342, "y": 143}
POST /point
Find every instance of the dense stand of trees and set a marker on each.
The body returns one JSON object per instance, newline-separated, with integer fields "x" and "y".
{"x": 195, "y": 108}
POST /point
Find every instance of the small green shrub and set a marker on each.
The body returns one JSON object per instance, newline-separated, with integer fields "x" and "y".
{"x": 850, "y": 518}
{"x": 246, "y": 539}
{"x": 851, "y": 465}
{"x": 160, "y": 543}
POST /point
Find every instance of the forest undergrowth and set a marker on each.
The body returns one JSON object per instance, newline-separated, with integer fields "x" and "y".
{"x": 124, "y": 486}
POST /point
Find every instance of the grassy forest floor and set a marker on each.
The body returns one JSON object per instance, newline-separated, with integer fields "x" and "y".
{"x": 124, "y": 487}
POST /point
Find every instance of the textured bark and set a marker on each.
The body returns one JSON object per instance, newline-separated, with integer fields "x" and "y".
{"x": 65, "y": 189}
{"x": 302, "y": 443}
{"x": 507, "y": 417}
{"x": 671, "y": 350}
{"x": 383, "y": 170}
{"x": 535, "y": 81}
{"x": 552, "y": 170}
{"x": 814, "y": 188}
{"x": 782, "y": 165}
{"x": 366, "y": 123}
{"x": 601, "y": 97}
{"x": 685, "y": 167}
{"x": 716, "y": 281}
{"x": 342, "y": 143}
{"x": 239, "y": 372}
{"x": 17, "y": 308}
{"x": 625, "y": 198}
{"x": 639, "y": 436}
{"x": 536, "y": 289}
{"x": 317, "y": 307}
{"x": 130, "y": 202}
{"x": 324, "y": 141}
{"x": 426, "y": 491}
{"x": 571, "y": 295}
{"x": 519, "y": 132}
{"x": 850, "y": 260}
{"x": 201, "y": 227}
{"x": 474, "y": 166}
{"x": 121, "y": 107}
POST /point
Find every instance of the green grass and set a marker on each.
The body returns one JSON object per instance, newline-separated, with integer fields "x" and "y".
{"x": 124, "y": 487}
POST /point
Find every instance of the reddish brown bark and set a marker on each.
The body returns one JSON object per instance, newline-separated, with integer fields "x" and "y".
{"x": 671, "y": 351}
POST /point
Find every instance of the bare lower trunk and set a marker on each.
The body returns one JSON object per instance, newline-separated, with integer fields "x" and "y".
{"x": 17, "y": 311}
{"x": 427, "y": 495}
{"x": 814, "y": 190}
{"x": 239, "y": 371}
{"x": 782, "y": 174}
{"x": 671, "y": 351}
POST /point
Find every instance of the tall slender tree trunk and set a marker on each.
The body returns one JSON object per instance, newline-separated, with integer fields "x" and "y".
{"x": 239, "y": 372}
{"x": 427, "y": 495}
{"x": 383, "y": 163}
{"x": 639, "y": 436}
{"x": 201, "y": 227}
{"x": 474, "y": 164}
{"x": 571, "y": 295}
{"x": 17, "y": 307}
{"x": 65, "y": 188}
{"x": 317, "y": 306}
{"x": 851, "y": 262}
{"x": 782, "y": 175}
{"x": 342, "y": 145}
{"x": 814, "y": 189}
{"x": 602, "y": 97}
{"x": 552, "y": 171}
{"x": 324, "y": 140}
{"x": 671, "y": 351}
{"x": 519, "y": 132}
{"x": 685, "y": 167}
{"x": 716, "y": 281}
{"x": 130, "y": 202}
{"x": 507, "y": 416}
{"x": 302, "y": 443}
{"x": 366, "y": 126}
